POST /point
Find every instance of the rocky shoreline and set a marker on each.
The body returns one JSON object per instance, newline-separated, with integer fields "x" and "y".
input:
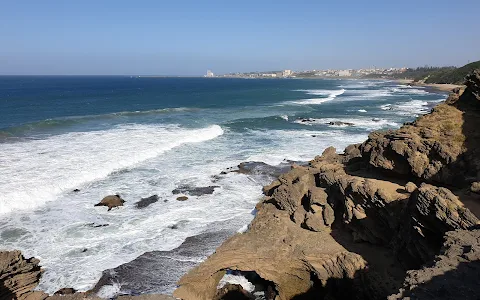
{"x": 350, "y": 226}
{"x": 395, "y": 217}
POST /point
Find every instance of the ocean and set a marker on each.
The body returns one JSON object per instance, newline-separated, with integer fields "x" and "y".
{"x": 143, "y": 136}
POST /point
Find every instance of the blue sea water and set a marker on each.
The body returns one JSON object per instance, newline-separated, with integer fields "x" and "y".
{"x": 140, "y": 136}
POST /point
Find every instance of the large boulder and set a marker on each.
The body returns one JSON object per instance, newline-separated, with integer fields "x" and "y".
{"x": 111, "y": 201}
{"x": 144, "y": 202}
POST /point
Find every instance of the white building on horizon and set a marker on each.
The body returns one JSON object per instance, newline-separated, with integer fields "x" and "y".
{"x": 287, "y": 73}
{"x": 210, "y": 74}
{"x": 345, "y": 73}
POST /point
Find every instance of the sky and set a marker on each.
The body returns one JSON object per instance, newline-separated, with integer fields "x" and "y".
{"x": 180, "y": 37}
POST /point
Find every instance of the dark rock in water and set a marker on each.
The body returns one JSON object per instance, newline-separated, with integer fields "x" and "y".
{"x": 182, "y": 198}
{"x": 76, "y": 190}
{"x": 264, "y": 173}
{"x": 261, "y": 168}
{"x": 233, "y": 292}
{"x": 339, "y": 123}
{"x": 174, "y": 226}
{"x": 65, "y": 291}
{"x": 144, "y": 202}
{"x": 195, "y": 191}
{"x": 165, "y": 200}
{"x": 94, "y": 225}
{"x": 84, "y": 250}
{"x": 307, "y": 120}
{"x": 158, "y": 271}
{"x": 111, "y": 201}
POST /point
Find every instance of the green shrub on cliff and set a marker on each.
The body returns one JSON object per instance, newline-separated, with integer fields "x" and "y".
{"x": 454, "y": 76}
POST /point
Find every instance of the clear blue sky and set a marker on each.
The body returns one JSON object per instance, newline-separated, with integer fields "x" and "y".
{"x": 180, "y": 37}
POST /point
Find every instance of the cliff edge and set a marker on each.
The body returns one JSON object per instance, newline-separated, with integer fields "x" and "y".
{"x": 362, "y": 224}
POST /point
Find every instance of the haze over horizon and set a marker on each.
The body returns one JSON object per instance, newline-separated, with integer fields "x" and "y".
{"x": 189, "y": 37}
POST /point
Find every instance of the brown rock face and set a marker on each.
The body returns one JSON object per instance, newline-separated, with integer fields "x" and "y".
{"x": 19, "y": 276}
{"x": 65, "y": 291}
{"x": 441, "y": 147}
{"x": 431, "y": 212}
{"x": 348, "y": 226}
{"x": 111, "y": 201}
{"x": 455, "y": 273}
{"x": 233, "y": 292}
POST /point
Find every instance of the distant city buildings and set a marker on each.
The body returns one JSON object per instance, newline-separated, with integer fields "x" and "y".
{"x": 355, "y": 73}
{"x": 345, "y": 73}
{"x": 287, "y": 73}
{"x": 209, "y": 74}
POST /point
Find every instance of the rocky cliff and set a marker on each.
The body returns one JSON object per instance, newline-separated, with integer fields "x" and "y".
{"x": 395, "y": 217}
{"x": 352, "y": 225}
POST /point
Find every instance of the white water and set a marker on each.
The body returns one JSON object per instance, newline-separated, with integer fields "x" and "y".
{"x": 366, "y": 123}
{"x": 236, "y": 279}
{"x": 155, "y": 160}
{"x": 331, "y": 94}
{"x": 37, "y": 171}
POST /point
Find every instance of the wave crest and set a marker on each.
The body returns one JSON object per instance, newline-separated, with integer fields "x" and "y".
{"x": 37, "y": 171}
{"x": 331, "y": 94}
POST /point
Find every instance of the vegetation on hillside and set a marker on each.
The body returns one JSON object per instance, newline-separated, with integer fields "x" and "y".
{"x": 421, "y": 73}
{"x": 450, "y": 75}
{"x": 455, "y": 76}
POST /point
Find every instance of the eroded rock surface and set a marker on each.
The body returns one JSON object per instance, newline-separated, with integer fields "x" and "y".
{"x": 455, "y": 273}
{"x": 349, "y": 226}
{"x": 19, "y": 276}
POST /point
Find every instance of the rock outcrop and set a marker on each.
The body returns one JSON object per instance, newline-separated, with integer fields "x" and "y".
{"x": 19, "y": 276}
{"x": 349, "y": 226}
{"x": 455, "y": 273}
{"x": 111, "y": 201}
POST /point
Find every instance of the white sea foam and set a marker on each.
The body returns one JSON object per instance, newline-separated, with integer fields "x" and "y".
{"x": 36, "y": 171}
{"x": 109, "y": 291}
{"x": 285, "y": 117}
{"x": 236, "y": 279}
{"x": 58, "y": 232}
{"x": 373, "y": 94}
{"x": 362, "y": 110}
{"x": 411, "y": 108}
{"x": 402, "y": 90}
{"x": 300, "y": 145}
{"x": 370, "y": 124}
{"x": 331, "y": 94}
